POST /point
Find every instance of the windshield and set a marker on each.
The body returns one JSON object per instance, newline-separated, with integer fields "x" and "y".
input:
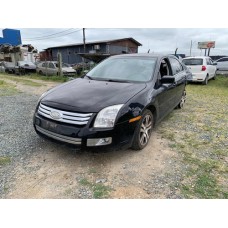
{"x": 63, "y": 65}
{"x": 124, "y": 69}
{"x": 190, "y": 62}
{"x": 25, "y": 62}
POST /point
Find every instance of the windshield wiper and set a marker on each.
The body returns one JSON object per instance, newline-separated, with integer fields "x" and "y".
{"x": 89, "y": 77}
{"x": 116, "y": 80}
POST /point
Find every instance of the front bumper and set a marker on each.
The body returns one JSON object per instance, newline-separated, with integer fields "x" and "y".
{"x": 85, "y": 136}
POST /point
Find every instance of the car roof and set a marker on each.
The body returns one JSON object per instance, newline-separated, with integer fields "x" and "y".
{"x": 197, "y": 57}
{"x": 222, "y": 58}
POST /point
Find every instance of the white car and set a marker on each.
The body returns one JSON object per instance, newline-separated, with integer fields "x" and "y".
{"x": 202, "y": 68}
{"x": 222, "y": 64}
{"x": 51, "y": 68}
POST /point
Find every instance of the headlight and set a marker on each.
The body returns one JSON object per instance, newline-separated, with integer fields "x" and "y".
{"x": 107, "y": 116}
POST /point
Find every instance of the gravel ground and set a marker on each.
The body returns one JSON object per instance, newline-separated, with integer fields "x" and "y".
{"x": 17, "y": 139}
{"x": 44, "y": 169}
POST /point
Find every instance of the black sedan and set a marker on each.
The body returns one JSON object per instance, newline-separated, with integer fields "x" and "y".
{"x": 116, "y": 103}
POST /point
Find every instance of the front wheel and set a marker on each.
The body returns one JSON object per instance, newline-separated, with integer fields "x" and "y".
{"x": 143, "y": 131}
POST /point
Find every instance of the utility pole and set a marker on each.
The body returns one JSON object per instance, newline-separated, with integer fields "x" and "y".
{"x": 84, "y": 48}
{"x": 59, "y": 59}
{"x": 84, "y": 40}
{"x": 191, "y": 48}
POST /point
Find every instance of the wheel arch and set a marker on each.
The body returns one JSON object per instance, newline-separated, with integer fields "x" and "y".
{"x": 153, "y": 110}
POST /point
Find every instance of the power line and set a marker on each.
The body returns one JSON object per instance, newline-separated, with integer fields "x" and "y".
{"x": 48, "y": 35}
{"x": 54, "y": 36}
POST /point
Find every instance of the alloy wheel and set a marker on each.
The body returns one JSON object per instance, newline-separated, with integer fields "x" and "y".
{"x": 145, "y": 130}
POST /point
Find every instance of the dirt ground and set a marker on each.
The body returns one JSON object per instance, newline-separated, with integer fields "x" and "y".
{"x": 58, "y": 171}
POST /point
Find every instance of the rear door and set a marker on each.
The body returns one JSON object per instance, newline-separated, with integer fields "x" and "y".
{"x": 211, "y": 67}
{"x": 51, "y": 69}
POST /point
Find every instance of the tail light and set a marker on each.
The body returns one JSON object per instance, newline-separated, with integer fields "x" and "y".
{"x": 203, "y": 68}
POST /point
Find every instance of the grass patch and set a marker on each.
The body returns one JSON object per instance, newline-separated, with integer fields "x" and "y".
{"x": 100, "y": 191}
{"x": 48, "y": 78}
{"x": 7, "y": 89}
{"x": 23, "y": 80}
{"x": 199, "y": 134}
{"x": 36, "y": 77}
{"x": 4, "y": 160}
{"x": 85, "y": 182}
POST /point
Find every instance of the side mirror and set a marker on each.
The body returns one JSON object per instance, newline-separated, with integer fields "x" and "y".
{"x": 215, "y": 64}
{"x": 167, "y": 79}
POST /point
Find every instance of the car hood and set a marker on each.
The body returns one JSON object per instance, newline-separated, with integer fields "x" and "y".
{"x": 82, "y": 95}
{"x": 68, "y": 69}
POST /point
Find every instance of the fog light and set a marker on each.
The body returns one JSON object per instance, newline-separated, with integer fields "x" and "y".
{"x": 99, "y": 142}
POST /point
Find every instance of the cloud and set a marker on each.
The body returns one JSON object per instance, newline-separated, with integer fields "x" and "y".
{"x": 156, "y": 39}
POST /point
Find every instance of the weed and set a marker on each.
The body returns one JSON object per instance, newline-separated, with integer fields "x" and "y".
{"x": 85, "y": 182}
{"x": 199, "y": 134}
{"x": 7, "y": 89}
{"x": 100, "y": 191}
{"x": 4, "y": 160}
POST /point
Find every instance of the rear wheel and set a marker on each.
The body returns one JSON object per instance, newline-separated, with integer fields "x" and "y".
{"x": 205, "y": 80}
{"x": 143, "y": 131}
{"x": 40, "y": 72}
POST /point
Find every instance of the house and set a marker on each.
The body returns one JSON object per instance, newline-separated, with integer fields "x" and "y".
{"x": 93, "y": 51}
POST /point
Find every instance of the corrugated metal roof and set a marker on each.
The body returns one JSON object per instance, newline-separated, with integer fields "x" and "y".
{"x": 97, "y": 42}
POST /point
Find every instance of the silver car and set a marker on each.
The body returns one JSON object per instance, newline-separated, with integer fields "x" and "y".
{"x": 222, "y": 64}
{"x": 52, "y": 68}
{"x": 2, "y": 68}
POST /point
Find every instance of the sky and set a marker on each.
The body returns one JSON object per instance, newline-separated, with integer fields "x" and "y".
{"x": 164, "y": 40}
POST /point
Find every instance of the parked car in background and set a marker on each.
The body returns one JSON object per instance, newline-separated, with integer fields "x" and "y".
{"x": 118, "y": 102}
{"x": 83, "y": 67}
{"x": 2, "y": 68}
{"x": 222, "y": 64}
{"x": 52, "y": 68}
{"x": 23, "y": 67}
{"x": 8, "y": 67}
{"x": 202, "y": 68}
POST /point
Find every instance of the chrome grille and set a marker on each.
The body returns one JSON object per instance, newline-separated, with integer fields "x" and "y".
{"x": 63, "y": 116}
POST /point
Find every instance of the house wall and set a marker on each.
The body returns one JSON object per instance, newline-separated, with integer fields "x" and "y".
{"x": 70, "y": 54}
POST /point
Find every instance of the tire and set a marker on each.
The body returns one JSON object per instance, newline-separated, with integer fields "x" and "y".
{"x": 205, "y": 81}
{"x": 215, "y": 75}
{"x": 182, "y": 101}
{"x": 40, "y": 72}
{"x": 143, "y": 131}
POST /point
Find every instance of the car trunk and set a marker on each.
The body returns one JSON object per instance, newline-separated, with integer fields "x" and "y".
{"x": 195, "y": 65}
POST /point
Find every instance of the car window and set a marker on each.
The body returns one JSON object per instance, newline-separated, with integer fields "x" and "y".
{"x": 208, "y": 61}
{"x": 51, "y": 65}
{"x": 223, "y": 60}
{"x": 211, "y": 62}
{"x": 192, "y": 62}
{"x": 44, "y": 64}
{"x": 176, "y": 66}
{"x": 133, "y": 69}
